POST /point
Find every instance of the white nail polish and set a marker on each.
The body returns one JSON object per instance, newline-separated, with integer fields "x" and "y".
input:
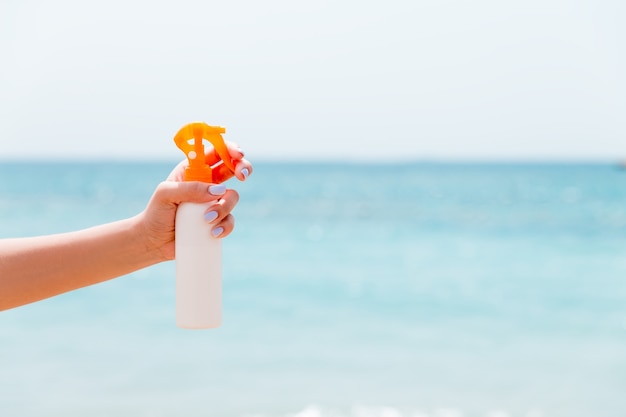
{"x": 217, "y": 189}
{"x": 210, "y": 216}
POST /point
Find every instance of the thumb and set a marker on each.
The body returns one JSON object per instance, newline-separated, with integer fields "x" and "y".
{"x": 188, "y": 191}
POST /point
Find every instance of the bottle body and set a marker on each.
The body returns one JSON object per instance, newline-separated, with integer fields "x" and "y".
{"x": 198, "y": 270}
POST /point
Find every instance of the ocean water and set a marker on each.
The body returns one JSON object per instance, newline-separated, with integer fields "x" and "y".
{"x": 350, "y": 290}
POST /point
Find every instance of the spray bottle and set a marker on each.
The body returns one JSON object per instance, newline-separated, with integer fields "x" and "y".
{"x": 198, "y": 253}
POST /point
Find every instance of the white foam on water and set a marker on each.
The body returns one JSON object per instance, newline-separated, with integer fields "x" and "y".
{"x": 386, "y": 411}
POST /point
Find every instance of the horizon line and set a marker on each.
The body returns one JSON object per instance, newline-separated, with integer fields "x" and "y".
{"x": 334, "y": 161}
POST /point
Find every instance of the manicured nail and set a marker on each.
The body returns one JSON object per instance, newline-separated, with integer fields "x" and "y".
{"x": 210, "y": 216}
{"x": 217, "y": 231}
{"x": 217, "y": 189}
{"x": 245, "y": 172}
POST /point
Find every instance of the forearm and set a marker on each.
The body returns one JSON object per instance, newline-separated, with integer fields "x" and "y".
{"x": 35, "y": 268}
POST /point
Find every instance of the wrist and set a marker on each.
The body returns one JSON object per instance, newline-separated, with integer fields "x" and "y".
{"x": 152, "y": 249}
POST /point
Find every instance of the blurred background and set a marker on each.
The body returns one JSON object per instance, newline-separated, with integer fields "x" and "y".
{"x": 435, "y": 226}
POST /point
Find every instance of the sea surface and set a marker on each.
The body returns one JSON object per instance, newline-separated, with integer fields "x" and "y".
{"x": 350, "y": 290}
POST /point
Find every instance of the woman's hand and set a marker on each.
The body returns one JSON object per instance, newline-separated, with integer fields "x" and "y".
{"x": 35, "y": 268}
{"x": 221, "y": 173}
{"x": 158, "y": 219}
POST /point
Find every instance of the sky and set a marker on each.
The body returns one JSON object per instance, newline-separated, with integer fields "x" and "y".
{"x": 315, "y": 80}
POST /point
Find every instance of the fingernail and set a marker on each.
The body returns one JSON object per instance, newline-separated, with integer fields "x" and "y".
{"x": 210, "y": 216}
{"x": 217, "y": 231}
{"x": 245, "y": 172}
{"x": 217, "y": 189}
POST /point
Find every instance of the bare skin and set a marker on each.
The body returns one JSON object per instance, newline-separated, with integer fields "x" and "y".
{"x": 35, "y": 268}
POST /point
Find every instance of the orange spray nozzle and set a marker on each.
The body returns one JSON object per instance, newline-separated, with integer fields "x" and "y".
{"x": 189, "y": 140}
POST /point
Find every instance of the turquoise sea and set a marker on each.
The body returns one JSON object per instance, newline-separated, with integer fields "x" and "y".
{"x": 350, "y": 290}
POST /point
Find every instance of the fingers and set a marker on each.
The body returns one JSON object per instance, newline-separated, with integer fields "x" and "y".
{"x": 218, "y": 214}
{"x": 243, "y": 169}
{"x": 233, "y": 149}
{"x": 176, "y": 192}
{"x": 221, "y": 173}
{"x": 224, "y": 228}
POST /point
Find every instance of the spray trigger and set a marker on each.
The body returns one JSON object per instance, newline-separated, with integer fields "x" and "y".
{"x": 189, "y": 140}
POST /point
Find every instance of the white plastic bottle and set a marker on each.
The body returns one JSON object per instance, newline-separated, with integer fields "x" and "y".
{"x": 198, "y": 270}
{"x": 198, "y": 253}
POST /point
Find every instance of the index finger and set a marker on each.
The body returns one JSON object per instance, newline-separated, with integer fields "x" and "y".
{"x": 234, "y": 150}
